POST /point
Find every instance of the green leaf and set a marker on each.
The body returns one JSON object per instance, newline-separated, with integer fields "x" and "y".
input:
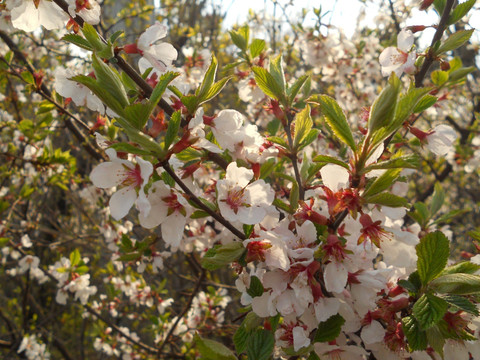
{"x": 293, "y": 90}
{"x": 241, "y": 37}
{"x": 199, "y": 214}
{"x": 276, "y": 70}
{"x": 404, "y": 162}
{"x": 129, "y": 148}
{"x": 256, "y": 287}
{"x": 28, "y": 77}
{"x": 335, "y": 118}
{"x": 115, "y": 36}
{"x": 455, "y": 41}
{"x": 446, "y": 218}
{"x": 137, "y": 115}
{"x": 278, "y": 140}
{"x": 214, "y": 90}
{"x": 426, "y": 102}
{"x": 460, "y": 11}
{"x": 213, "y": 350}
{"x": 159, "y": 90}
{"x": 267, "y": 83}
{"x": 311, "y": 136}
{"x": 283, "y": 206}
{"x": 106, "y": 97}
{"x": 417, "y": 339}
{"x": 436, "y": 339}
{"x": 461, "y": 303}
{"x": 330, "y": 329}
{"x": 240, "y": 339}
{"x": 78, "y": 40}
{"x": 294, "y": 196}
{"x": 208, "y": 79}
{"x": 428, "y": 310}
{"x": 432, "y": 251}
{"x": 458, "y": 284}
{"x": 75, "y": 258}
{"x": 465, "y": 267}
{"x": 303, "y": 125}
{"x": 330, "y": 160}
{"x": 172, "y": 130}
{"x": 459, "y": 74}
{"x": 109, "y": 81}
{"x": 256, "y": 47}
{"x": 383, "y": 108}
{"x": 267, "y": 168}
{"x": 260, "y": 345}
{"x": 222, "y": 256}
{"x": 439, "y": 6}
{"x": 437, "y": 199}
{"x": 407, "y": 285}
{"x": 383, "y": 182}
{"x": 439, "y": 77}
{"x": 92, "y": 37}
{"x": 387, "y": 199}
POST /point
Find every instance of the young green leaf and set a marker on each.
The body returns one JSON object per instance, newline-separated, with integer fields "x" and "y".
{"x": 303, "y": 125}
{"x": 335, "y": 118}
{"x": 466, "y": 267}
{"x": 79, "y": 41}
{"x": 260, "y": 345}
{"x": 461, "y": 303}
{"x": 109, "y": 81}
{"x": 92, "y": 37}
{"x": 256, "y": 287}
{"x": 293, "y": 90}
{"x": 455, "y": 41}
{"x": 383, "y": 108}
{"x": 75, "y": 257}
{"x": 458, "y": 284}
{"x": 276, "y": 70}
{"x": 432, "y": 251}
{"x": 159, "y": 90}
{"x": 208, "y": 79}
{"x": 330, "y": 160}
{"x": 428, "y": 310}
{"x": 267, "y": 83}
{"x": 460, "y": 11}
{"x": 172, "y": 130}
{"x": 256, "y": 47}
{"x": 382, "y": 183}
{"x": 387, "y": 199}
{"x": 417, "y": 339}
{"x": 439, "y": 77}
{"x": 330, "y": 329}
{"x": 213, "y": 350}
{"x": 222, "y": 256}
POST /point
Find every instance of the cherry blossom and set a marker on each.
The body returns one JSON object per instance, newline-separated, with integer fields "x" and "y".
{"x": 131, "y": 177}
{"x": 399, "y": 59}
{"x": 240, "y": 200}
{"x": 28, "y": 15}
{"x": 88, "y": 10}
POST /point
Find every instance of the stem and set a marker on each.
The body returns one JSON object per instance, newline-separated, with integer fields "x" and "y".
{"x": 200, "y": 204}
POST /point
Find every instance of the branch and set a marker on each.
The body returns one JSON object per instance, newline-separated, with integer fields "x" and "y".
{"x": 200, "y": 204}
{"x": 430, "y": 57}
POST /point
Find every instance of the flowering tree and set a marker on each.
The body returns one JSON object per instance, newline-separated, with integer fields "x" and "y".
{"x": 291, "y": 205}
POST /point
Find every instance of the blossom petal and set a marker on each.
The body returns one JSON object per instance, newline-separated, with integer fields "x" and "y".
{"x": 107, "y": 174}
{"x": 334, "y": 177}
{"x": 121, "y": 202}
{"x": 405, "y": 40}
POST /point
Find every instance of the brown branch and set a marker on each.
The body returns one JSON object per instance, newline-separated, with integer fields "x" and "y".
{"x": 430, "y": 57}
{"x": 200, "y": 204}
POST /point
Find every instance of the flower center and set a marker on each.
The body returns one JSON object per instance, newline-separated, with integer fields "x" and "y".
{"x": 133, "y": 177}
{"x": 235, "y": 199}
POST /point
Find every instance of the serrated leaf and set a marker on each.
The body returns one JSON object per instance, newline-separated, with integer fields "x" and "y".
{"x": 437, "y": 199}
{"x": 283, "y": 206}
{"x": 460, "y": 11}
{"x": 78, "y": 41}
{"x": 256, "y": 287}
{"x": 303, "y": 125}
{"x": 114, "y": 37}
{"x": 428, "y": 310}
{"x": 436, "y": 339}
{"x": 439, "y": 77}
{"x": 240, "y": 339}
{"x": 222, "y": 256}
{"x": 208, "y": 79}
{"x": 426, "y": 102}
{"x": 311, "y": 136}
{"x": 383, "y": 108}
{"x": 260, "y": 345}
{"x": 214, "y": 90}
{"x": 446, "y": 218}
{"x": 137, "y": 115}
{"x": 330, "y": 329}
{"x": 109, "y": 81}
{"x": 172, "y": 130}
{"x": 383, "y": 182}
{"x": 387, "y": 199}
{"x": 404, "y": 162}
{"x": 459, "y": 74}
{"x": 458, "y": 284}
{"x": 92, "y": 37}
{"x": 335, "y": 118}
{"x": 278, "y": 140}
{"x": 294, "y": 196}
{"x": 276, "y": 70}
{"x": 432, "y": 251}
{"x": 417, "y": 339}
{"x": 267, "y": 168}
{"x": 75, "y": 257}
{"x": 160, "y": 88}
{"x": 213, "y": 350}
{"x": 330, "y": 160}
{"x": 199, "y": 214}
{"x": 256, "y": 47}
{"x": 407, "y": 285}
{"x": 455, "y": 41}
{"x": 241, "y": 37}
{"x": 129, "y": 148}
{"x": 293, "y": 90}
{"x": 28, "y": 77}
{"x": 465, "y": 267}
{"x": 267, "y": 83}
{"x": 461, "y": 303}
